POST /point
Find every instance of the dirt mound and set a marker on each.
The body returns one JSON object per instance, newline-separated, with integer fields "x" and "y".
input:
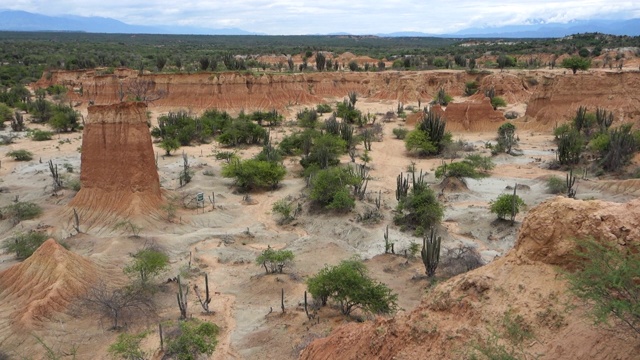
{"x": 118, "y": 171}
{"x": 478, "y": 309}
{"x": 44, "y": 284}
{"x": 476, "y": 115}
{"x": 452, "y": 184}
{"x": 548, "y": 231}
{"x": 629, "y": 187}
{"x": 473, "y": 116}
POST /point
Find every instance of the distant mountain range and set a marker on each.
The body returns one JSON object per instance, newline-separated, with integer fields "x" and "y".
{"x": 11, "y": 20}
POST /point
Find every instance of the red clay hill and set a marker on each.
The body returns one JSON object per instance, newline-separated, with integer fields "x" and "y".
{"x": 477, "y": 309}
{"x": 35, "y": 290}
{"x": 550, "y": 96}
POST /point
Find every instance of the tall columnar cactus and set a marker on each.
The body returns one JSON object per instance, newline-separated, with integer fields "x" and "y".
{"x": 353, "y": 98}
{"x": 580, "y": 121}
{"x": 402, "y": 187}
{"x": 204, "y": 303}
{"x": 514, "y": 204}
{"x": 433, "y": 124}
{"x": 604, "y": 119}
{"x": 332, "y": 126}
{"x": 182, "y": 299}
{"x": 431, "y": 252}
{"x": 346, "y": 133}
{"x": 571, "y": 180}
{"x": 417, "y": 182}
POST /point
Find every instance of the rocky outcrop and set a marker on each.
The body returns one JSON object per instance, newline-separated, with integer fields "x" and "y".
{"x": 472, "y": 311}
{"x": 234, "y": 91}
{"x": 557, "y": 97}
{"x": 550, "y": 96}
{"x": 118, "y": 171}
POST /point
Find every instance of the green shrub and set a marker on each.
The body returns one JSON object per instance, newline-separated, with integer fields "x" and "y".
{"x": 147, "y": 264}
{"x": 20, "y": 155}
{"x": 420, "y": 208}
{"x": 349, "y": 284}
{"x": 497, "y": 102}
{"x": 127, "y": 346}
{"x": 607, "y": 277}
{"x": 307, "y": 118}
{"x": 325, "y": 151}
{"x": 323, "y": 108}
{"x": 484, "y": 163}
{"x": 329, "y": 188}
{"x": 195, "y": 337}
{"x": 556, "y": 185}
{"x": 21, "y": 211}
{"x": 74, "y": 184}
{"x": 400, "y": 132}
{"x": 506, "y": 205}
{"x": 255, "y": 174}
{"x": 25, "y": 244}
{"x": 285, "y": 209}
{"x": 274, "y": 261}
{"x": 507, "y": 138}
{"x": 169, "y": 145}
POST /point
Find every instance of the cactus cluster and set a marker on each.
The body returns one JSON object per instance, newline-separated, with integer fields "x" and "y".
{"x": 431, "y": 252}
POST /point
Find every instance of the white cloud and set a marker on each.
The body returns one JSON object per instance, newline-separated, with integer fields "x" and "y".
{"x": 354, "y": 16}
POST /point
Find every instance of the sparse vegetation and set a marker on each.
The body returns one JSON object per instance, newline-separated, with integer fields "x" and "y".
{"x": 20, "y": 211}
{"x": 20, "y": 155}
{"x": 606, "y": 278}
{"x": 255, "y": 174}
{"x": 506, "y": 204}
{"x": 24, "y": 245}
{"x": 192, "y": 339}
{"x": 274, "y": 261}
{"x": 556, "y": 185}
{"x": 147, "y": 264}
{"x": 127, "y": 346}
{"x": 349, "y": 285}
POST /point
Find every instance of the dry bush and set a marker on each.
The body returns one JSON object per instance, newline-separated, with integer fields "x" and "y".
{"x": 460, "y": 260}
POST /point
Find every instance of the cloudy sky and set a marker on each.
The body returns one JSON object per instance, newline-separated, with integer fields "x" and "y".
{"x": 279, "y": 17}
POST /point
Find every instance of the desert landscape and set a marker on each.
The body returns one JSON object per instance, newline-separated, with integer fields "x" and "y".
{"x": 514, "y": 303}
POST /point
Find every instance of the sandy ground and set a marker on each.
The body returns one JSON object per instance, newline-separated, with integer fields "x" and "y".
{"x": 224, "y": 240}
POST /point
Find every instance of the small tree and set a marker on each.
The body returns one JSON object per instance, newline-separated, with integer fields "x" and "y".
{"x": 169, "y": 145}
{"x": 274, "y": 260}
{"x": 506, "y": 204}
{"x": 119, "y": 303}
{"x": 576, "y": 63}
{"x": 607, "y": 278}
{"x": 194, "y": 338}
{"x": 329, "y": 188}
{"x": 147, "y": 263}
{"x": 507, "y": 138}
{"x": 255, "y": 174}
{"x": 350, "y": 286}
